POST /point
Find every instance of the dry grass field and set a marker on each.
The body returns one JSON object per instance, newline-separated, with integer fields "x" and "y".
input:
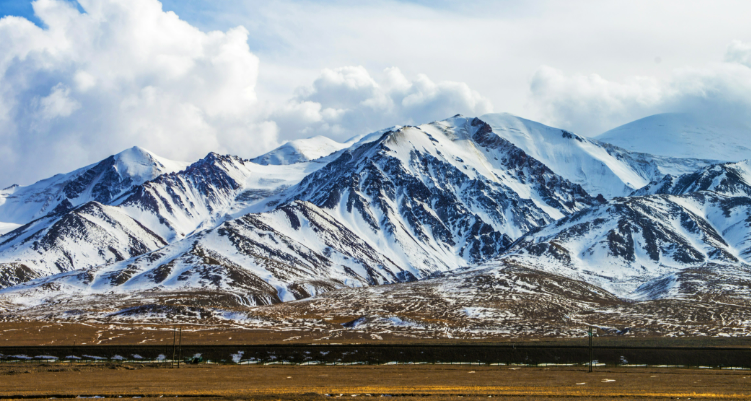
{"x": 35, "y": 333}
{"x": 404, "y": 382}
{"x": 407, "y": 382}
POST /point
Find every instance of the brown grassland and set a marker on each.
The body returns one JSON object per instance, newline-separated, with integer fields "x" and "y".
{"x": 285, "y": 382}
{"x": 404, "y": 381}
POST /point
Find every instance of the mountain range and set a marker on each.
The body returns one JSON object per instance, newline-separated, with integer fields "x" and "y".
{"x": 489, "y": 199}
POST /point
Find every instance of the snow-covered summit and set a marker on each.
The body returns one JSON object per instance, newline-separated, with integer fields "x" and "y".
{"x": 684, "y": 135}
{"x": 301, "y": 150}
{"x": 599, "y": 167}
{"x": 102, "y": 182}
{"x": 142, "y": 165}
{"x": 439, "y": 195}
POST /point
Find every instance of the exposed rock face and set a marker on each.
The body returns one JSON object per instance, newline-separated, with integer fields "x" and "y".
{"x": 441, "y": 195}
{"x": 630, "y": 241}
{"x": 732, "y": 179}
{"x": 178, "y": 203}
{"x": 81, "y": 238}
{"x": 415, "y": 201}
{"x": 294, "y": 252}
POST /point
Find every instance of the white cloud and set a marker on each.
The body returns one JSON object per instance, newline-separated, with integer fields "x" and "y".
{"x": 346, "y": 101}
{"x": 739, "y": 52}
{"x": 593, "y": 104}
{"x": 125, "y": 72}
{"x": 58, "y": 103}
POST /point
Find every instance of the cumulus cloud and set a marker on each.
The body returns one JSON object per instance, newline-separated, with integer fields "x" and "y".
{"x": 594, "y": 104}
{"x": 346, "y": 101}
{"x": 122, "y": 73}
{"x": 125, "y": 72}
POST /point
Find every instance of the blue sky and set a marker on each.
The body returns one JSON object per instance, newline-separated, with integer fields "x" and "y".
{"x": 95, "y": 77}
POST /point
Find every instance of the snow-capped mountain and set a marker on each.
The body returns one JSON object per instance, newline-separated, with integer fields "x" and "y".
{"x": 629, "y": 242}
{"x": 294, "y": 252}
{"x": 684, "y": 136}
{"x": 81, "y": 238}
{"x": 301, "y": 150}
{"x": 101, "y": 182}
{"x": 428, "y": 198}
{"x": 398, "y": 205}
{"x": 732, "y": 179}
{"x": 208, "y": 192}
{"x": 600, "y": 168}
{"x": 145, "y": 217}
{"x": 440, "y": 195}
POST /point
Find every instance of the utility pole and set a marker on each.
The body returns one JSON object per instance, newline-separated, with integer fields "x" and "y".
{"x": 591, "y": 357}
{"x": 174, "y": 341}
{"x": 180, "y": 348}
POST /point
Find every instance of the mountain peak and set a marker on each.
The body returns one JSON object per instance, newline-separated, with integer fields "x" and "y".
{"x": 103, "y": 182}
{"x": 300, "y": 151}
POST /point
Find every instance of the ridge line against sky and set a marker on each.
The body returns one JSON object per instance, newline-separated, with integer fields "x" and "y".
{"x": 83, "y": 80}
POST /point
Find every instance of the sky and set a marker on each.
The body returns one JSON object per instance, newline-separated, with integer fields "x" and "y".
{"x": 81, "y": 80}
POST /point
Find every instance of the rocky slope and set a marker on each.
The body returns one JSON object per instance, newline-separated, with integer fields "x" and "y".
{"x": 401, "y": 207}
{"x": 440, "y": 195}
{"x": 81, "y": 238}
{"x": 629, "y": 242}
{"x": 732, "y": 179}
{"x": 499, "y": 300}
{"x": 144, "y": 218}
{"x": 294, "y": 252}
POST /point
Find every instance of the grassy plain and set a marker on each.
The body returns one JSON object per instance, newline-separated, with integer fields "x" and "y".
{"x": 404, "y": 382}
{"x": 284, "y": 382}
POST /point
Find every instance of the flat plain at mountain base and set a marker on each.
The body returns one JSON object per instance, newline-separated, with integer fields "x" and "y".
{"x": 322, "y": 382}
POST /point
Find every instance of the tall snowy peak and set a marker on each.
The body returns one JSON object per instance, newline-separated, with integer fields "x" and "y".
{"x": 440, "y": 195}
{"x": 598, "y": 167}
{"x": 732, "y": 179}
{"x": 101, "y": 182}
{"x": 628, "y": 242}
{"x": 685, "y": 136}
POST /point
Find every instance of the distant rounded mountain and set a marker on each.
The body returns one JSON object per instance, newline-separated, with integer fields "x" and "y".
{"x": 685, "y": 136}
{"x": 300, "y": 151}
